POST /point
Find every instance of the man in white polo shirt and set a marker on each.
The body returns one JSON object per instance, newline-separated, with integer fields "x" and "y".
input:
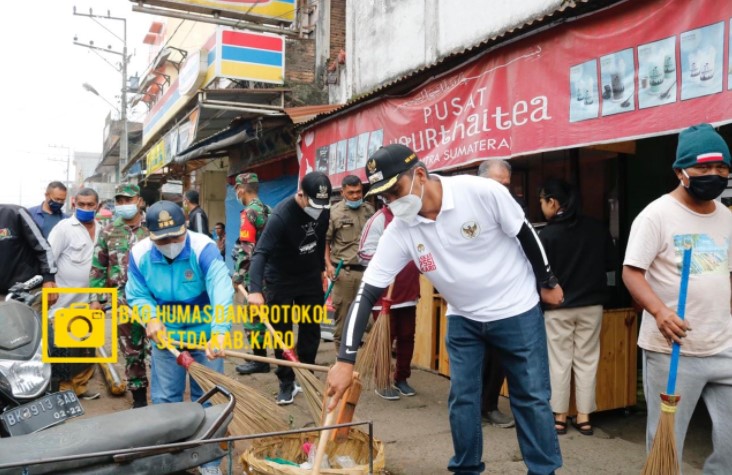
{"x": 469, "y": 237}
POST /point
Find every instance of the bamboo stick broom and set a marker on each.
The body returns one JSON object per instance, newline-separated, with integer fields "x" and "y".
{"x": 374, "y": 360}
{"x": 323, "y": 441}
{"x": 261, "y": 359}
{"x": 254, "y": 413}
{"x": 342, "y": 413}
{"x": 311, "y": 386}
{"x": 116, "y": 385}
{"x": 663, "y": 458}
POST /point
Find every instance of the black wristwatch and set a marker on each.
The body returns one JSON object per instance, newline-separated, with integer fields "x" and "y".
{"x": 550, "y": 283}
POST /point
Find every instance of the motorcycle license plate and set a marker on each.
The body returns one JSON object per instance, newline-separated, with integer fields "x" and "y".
{"x": 41, "y": 413}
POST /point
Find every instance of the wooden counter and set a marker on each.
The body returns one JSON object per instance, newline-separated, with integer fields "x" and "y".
{"x": 616, "y": 374}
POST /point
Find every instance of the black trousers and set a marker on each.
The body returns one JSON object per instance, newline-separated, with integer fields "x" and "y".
{"x": 308, "y": 333}
{"x": 493, "y": 376}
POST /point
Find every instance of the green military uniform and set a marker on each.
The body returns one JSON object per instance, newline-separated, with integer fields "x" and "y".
{"x": 253, "y": 219}
{"x": 344, "y": 234}
{"x": 109, "y": 269}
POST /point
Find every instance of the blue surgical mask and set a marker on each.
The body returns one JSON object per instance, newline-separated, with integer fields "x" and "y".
{"x": 126, "y": 211}
{"x": 354, "y": 204}
{"x": 85, "y": 216}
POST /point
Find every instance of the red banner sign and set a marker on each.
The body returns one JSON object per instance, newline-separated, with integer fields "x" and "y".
{"x": 640, "y": 69}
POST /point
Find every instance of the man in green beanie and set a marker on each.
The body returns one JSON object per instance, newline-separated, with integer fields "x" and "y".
{"x": 688, "y": 216}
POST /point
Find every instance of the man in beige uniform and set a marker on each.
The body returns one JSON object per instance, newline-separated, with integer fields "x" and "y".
{"x": 347, "y": 220}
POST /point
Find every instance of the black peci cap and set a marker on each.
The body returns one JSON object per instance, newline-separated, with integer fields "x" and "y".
{"x": 385, "y": 165}
{"x": 317, "y": 188}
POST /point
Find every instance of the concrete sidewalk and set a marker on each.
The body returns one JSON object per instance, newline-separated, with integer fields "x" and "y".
{"x": 416, "y": 432}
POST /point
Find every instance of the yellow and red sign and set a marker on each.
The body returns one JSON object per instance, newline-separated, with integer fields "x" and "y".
{"x": 274, "y": 10}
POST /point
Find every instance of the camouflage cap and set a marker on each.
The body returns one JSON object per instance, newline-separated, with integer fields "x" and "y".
{"x": 246, "y": 178}
{"x": 127, "y": 189}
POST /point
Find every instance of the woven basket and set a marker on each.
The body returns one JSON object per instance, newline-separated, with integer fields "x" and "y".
{"x": 289, "y": 447}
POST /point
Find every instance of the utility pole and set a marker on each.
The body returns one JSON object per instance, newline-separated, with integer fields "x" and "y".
{"x": 124, "y": 139}
{"x": 68, "y": 167}
{"x": 68, "y": 161}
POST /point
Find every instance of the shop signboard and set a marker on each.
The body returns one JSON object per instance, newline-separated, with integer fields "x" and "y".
{"x": 636, "y": 70}
{"x": 266, "y": 11}
{"x": 245, "y": 55}
{"x": 156, "y": 157}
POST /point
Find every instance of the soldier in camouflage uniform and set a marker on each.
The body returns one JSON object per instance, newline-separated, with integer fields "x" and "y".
{"x": 109, "y": 269}
{"x": 253, "y": 218}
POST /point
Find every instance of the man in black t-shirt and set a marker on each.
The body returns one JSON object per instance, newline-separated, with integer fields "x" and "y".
{"x": 197, "y": 218}
{"x": 287, "y": 268}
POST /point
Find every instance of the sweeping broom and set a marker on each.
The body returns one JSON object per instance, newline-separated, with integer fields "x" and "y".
{"x": 332, "y": 282}
{"x": 309, "y": 383}
{"x": 663, "y": 458}
{"x": 346, "y": 406}
{"x": 254, "y": 413}
{"x": 341, "y": 414}
{"x": 375, "y": 357}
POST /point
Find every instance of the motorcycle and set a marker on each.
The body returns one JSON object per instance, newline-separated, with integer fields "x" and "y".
{"x": 26, "y": 405}
{"x": 160, "y": 439}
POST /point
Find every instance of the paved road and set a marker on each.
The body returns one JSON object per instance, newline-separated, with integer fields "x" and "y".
{"x": 416, "y": 433}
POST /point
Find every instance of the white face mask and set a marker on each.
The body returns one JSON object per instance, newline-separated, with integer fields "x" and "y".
{"x": 171, "y": 250}
{"x": 313, "y": 212}
{"x": 407, "y": 207}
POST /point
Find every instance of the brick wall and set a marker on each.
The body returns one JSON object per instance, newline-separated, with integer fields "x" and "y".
{"x": 300, "y": 61}
{"x": 337, "y": 27}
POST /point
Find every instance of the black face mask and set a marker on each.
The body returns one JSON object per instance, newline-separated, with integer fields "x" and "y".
{"x": 55, "y": 206}
{"x": 706, "y": 187}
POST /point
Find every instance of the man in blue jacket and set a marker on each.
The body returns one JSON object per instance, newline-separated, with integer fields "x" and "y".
{"x": 177, "y": 282}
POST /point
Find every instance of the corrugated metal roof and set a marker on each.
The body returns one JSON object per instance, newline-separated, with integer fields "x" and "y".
{"x": 303, "y": 114}
{"x": 406, "y": 82}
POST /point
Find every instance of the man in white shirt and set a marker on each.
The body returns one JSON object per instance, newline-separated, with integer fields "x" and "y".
{"x": 72, "y": 242}
{"x": 469, "y": 237}
{"x": 688, "y": 216}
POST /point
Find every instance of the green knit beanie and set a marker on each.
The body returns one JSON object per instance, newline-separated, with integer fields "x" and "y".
{"x": 701, "y": 144}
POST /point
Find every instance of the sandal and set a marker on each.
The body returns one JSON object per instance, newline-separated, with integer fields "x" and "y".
{"x": 560, "y": 427}
{"x": 584, "y": 428}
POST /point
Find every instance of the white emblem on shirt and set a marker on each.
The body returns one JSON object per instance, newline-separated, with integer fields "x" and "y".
{"x": 470, "y": 229}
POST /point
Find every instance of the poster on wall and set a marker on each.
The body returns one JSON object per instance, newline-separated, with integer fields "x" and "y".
{"x": 657, "y": 73}
{"x": 584, "y": 103}
{"x": 702, "y": 67}
{"x": 332, "y": 159}
{"x": 341, "y": 156}
{"x": 352, "y": 154}
{"x": 545, "y": 93}
{"x": 617, "y": 73}
{"x": 376, "y": 141}
{"x": 729, "y": 63}
{"x": 363, "y": 149}
{"x": 322, "y": 162}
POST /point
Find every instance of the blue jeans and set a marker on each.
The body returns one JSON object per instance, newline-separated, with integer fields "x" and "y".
{"x": 168, "y": 380}
{"x": 521, "y": 343}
